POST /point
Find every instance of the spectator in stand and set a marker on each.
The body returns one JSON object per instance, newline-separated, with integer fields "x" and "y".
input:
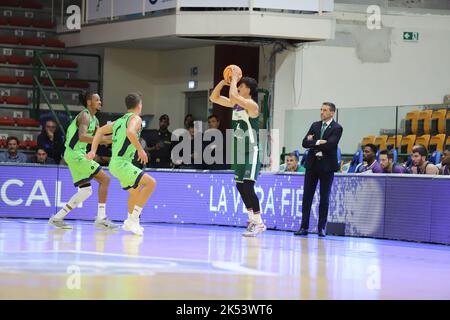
{"x": 388, "y": 165}
{"x": 160, "y": 145}
{"x": 188, "y": 120}
{"x": 370, "y": 158}
{"x": 211, "y": 148}
{"x": 41, "y": 157}
{"x": 420, "y": 163}
{"x": 51, "y": 141}
{"x": 12, "y": 155}
{"x": 445, "y": 163}
{"x": 292, "y": 164}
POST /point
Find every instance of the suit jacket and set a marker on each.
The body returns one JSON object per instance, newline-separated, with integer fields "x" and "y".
{"x": 329, "y": 150}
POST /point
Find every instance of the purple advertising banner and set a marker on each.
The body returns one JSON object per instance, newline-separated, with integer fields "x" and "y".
{"x": 383, "y": 206}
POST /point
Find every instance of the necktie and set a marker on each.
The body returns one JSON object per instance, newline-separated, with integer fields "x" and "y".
{"x": 324, "y": 127}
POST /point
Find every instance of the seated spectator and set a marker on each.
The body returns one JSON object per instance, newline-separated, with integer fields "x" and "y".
{"x": 12, "y": 155}
{"x": 41, "y": 157}
{"x": 444, "y": 170}
{"x": 188, "y": 120}
{"x": 292, "y": 164}
{"x": 195, "y": 159}
{"x": 388, "y": 165}
{"x": 51, "y": 141}
{"x": 210, "y": 147}
{"x": 420, "y": 164}
{"x": 371, "y": 164}
{"x": 160, "y": 144}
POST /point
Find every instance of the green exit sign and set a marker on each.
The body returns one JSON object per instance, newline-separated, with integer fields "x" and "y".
{"x": 411, "y": 36}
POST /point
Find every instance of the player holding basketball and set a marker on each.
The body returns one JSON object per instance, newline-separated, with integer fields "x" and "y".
{"x": 125, "y": 142}
{"x": 79, "y": 134}
{"x": 245, "y": 124}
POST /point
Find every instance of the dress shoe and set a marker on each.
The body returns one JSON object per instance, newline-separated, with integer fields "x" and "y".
{"x": 301, "y": 232}
{"x": 322, "y": 233}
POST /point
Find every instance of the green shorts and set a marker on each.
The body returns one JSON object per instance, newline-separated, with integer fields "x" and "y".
{"x": 81, "y": 169}
{"x": 249, "y": 170}
{"x": 128, "y": 174}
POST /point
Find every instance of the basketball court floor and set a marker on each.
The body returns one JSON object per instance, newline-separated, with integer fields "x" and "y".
{"x": 209, "y": 262}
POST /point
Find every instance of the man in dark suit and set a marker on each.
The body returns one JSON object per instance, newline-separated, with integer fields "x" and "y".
{"x": 322, "y": 141}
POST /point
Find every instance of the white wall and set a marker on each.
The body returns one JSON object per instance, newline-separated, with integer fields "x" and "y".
{"x": 161, "y": 76}
{"x": 364, "y": 68}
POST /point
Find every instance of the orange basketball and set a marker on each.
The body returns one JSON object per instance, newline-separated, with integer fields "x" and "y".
{"x": 228, "y": 70}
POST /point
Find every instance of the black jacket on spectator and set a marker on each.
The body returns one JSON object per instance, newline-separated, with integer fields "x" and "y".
{"x": 54, "y": 148}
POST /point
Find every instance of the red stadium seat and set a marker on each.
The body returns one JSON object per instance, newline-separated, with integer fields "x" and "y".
{"x": 44, "y": 24}
{"x": 55, "y": 43}
{"x": 16, "y": 100}
{"x": 8, "y": 79}
{"x": 48, "y": 61}
{"x": 27, "y": 122}
{"x": 9, "y": 40}
{"x": 77, "y": 84}
{"x": 31, "y": 42}
{"x": 59, "y": 83}
{"x": 19, "y": 22}
{"x": 3, "y": 59}
{"x": 7, "y": 121}
{"x": 29, "y": 4}
{"x": 3, "y": 143}
{"x": 21, "y": 60}
{"x": 4, "y": 21}
{"x": 62, "y": 63}
{"x": 9, "y": 3}
{"x": 26, "y": 81}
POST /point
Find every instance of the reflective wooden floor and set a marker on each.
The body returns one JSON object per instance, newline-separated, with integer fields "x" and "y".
{"x": 206, "y": 262}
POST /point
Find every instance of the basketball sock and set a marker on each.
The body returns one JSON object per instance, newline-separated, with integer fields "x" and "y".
{"x": 101, "y": 213}
{"x": 136, "y": 213}
{"x": 78, "y": 198}
{"x": 63, "y": 212}
{"x": 257, "y": 218}
{"x": 250, "y": 214}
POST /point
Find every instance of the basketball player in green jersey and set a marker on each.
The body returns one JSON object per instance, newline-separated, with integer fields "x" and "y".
{"x": 125, "y": 142}
{"x": 79, "y": 134}
{"x": 245, "y": 124}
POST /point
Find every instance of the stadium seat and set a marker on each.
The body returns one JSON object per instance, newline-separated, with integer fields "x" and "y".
{"x": 10, "y": 3}
{"x": 77, "y": 84}
{"x": 21, "y": 60}
{"x": 7, "y": 121}
{"x": 391, "y": 142}
{"x": 447, "y": 124}
{"x": 356, "y": 161}
{"x": 407, "y": 143}
{"x": 367, "y": 140}
{"x": 36, "y": 42}
{"x": 28, "y": 144}
{"x": 29, "y": 4}
{"x": 411, "y": 122}
{"x": 423, "y": 140}
{"x": 26, "y": 81}
{"x": 16, "y": 100}
{"x": 43, "y": 24}
{"x": 9, "y": 40}
{"x": 381, "y": 142}
{"x": 27, "y": 122}
{"x": 8, "y": 79}
{"x": 438, "y": 122}
{"x": 4, "y": 21}
{"x": 19, "y": 22}
{"x": 58, "y": 83}
{"x": 437, "y": 143}
{"x": 63, "y": 63}
{"x": 55, "y": 43}
{"x": 3, "y": 59}
{"x": 48, "y": 61}
{"x": 423, "y": 122}
{"x": 435, "y": 157}
{"x": 3, "y": 143}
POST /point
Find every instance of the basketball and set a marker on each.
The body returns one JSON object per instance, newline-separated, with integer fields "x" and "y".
{"x": 228, "y": 70}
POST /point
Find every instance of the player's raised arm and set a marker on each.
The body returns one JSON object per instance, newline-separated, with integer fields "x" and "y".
{"x": 134, "y": 126}
{"x": 217, "y": 98}
{"x": 99, "y": 138}
{"x": 235, "y": 98}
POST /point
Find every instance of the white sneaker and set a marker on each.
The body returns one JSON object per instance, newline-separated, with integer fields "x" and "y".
{"x": 133, "y": 226}
{"x": 59, "y": 223}
{"x": 254, "y": 229}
